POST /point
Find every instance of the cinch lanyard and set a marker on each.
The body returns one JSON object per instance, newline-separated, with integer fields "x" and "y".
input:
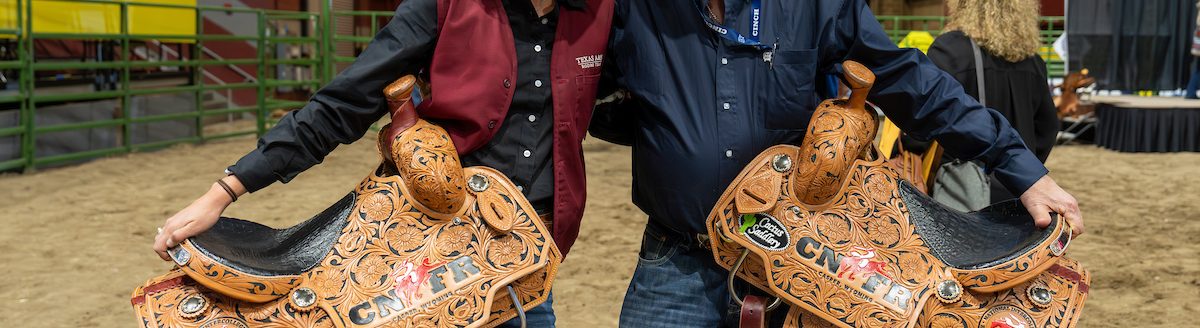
{"x": 731, "y": 34}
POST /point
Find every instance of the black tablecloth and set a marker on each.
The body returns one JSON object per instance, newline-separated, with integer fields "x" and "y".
{"x": 1148, "y": 130}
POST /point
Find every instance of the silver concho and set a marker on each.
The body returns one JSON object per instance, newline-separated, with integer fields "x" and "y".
{"x": 796, "y": 211}
{"x": 192, "y": 306}
{"x": 478, "y": 183}
{"x": 948, "y": 291}
{"x": 180, "y": 255}
{"x": 1040, "y": 295}
{"x": 304, "y": 298}
{"x": 781, "y": 163}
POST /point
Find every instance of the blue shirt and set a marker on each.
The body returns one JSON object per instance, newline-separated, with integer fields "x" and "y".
{"x": 704, "y": 107}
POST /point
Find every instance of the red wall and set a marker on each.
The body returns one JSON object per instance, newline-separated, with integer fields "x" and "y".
{"x": 1052, "y": 8}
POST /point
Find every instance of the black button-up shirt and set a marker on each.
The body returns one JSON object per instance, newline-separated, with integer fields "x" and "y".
{"x": 342, "y": 111}
{"x": 704, "y": 107}
{"x": 522, "y": 146}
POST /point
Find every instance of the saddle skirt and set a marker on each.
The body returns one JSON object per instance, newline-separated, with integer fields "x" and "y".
{"x": 846, "y": 242}
{"x": 421, "y": 242}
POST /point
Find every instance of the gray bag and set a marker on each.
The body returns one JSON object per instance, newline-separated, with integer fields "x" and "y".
{"x": 963, "y": 185}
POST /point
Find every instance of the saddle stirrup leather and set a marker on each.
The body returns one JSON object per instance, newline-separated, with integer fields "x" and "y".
{"x": 834, "y": 232}
{"x": 421, "y": 241}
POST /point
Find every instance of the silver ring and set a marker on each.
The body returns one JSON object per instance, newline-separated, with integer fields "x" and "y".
{"x": 733, "y": 275}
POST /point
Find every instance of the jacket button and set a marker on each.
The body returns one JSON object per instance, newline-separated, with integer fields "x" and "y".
{"x": 507, "y": 84}
{"x": 492, "y": 124}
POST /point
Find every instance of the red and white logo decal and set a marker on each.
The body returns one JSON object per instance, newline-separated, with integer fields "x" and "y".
{"x": 859, "y": 262}
{"x": 1010, "y": 321}
{"x": 409, "y": 279}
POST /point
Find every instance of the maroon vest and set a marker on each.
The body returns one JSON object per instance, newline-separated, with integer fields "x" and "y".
{"x": 474, "y": 70}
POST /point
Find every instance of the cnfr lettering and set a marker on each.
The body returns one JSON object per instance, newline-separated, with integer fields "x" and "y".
{"x": 382, "y": 306}
{"x": 876, "y": 284}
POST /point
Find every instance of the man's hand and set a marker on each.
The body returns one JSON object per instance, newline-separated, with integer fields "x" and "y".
{"x": 1046, "y": 197}
{"x": 198, "y": 217}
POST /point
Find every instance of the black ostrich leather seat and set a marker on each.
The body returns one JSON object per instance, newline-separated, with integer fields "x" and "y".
{"x": 260, "y": 250}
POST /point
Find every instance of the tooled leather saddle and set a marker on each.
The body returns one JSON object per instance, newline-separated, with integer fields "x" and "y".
{"x": 421, "y": 242}
{"x": 838, "y": 235}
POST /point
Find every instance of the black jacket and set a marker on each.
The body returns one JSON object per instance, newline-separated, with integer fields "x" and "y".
{"x": 1016, "y": 90}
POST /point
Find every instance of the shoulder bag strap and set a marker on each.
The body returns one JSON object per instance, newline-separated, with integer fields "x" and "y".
{"x": 979, "y": 73}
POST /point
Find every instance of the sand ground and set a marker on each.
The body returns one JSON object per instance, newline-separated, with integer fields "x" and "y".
{"x": 76, "y": 240}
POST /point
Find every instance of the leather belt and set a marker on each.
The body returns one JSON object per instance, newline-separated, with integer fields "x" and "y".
{"x": 688, "y": 240}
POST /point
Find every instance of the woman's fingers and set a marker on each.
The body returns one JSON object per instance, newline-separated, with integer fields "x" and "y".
{"x": 160, "y": 246}
{"x": 193, "y": 228}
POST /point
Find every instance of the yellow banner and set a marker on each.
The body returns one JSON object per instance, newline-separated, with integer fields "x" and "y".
{"x": 917, "y": 39}
{"x": 71, "y": 17}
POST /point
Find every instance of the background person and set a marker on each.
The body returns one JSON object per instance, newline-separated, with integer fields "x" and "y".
{"x": 1015, "y": 83}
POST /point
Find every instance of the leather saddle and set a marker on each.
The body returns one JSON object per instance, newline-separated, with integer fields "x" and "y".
{"x": 834, "y": 232}
{"x": 421, "y": 242}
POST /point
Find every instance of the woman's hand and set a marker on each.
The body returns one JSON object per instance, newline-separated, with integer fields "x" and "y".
{"x": 197, "y": 217}
{"x": 1045, "y": 197}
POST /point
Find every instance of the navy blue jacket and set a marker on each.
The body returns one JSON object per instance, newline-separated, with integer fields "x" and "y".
{"x": 703, "y": 107}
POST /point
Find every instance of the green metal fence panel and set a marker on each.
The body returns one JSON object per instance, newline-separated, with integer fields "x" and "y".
{"x": 31, "y": 96}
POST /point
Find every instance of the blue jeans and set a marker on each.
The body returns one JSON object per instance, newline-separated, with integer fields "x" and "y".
{"x": 541, "y": 316}
{"x": 678, "y": 284}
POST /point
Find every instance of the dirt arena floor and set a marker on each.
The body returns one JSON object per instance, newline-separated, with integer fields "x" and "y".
{"x": 75, "y": 241}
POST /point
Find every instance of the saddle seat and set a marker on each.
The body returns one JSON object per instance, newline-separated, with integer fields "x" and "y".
{"x": 832, "y": 230}
{"x": 274, "y": 257}
{"x": 421, "y": 241}
{"x": 986, "y": 249}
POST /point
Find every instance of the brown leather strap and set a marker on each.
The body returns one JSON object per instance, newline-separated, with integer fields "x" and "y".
{"x": 399, "y": 98}
{"x": 754, "y": 312}
{"x": 547, "y": 219}
{"x": 404, "y": 114}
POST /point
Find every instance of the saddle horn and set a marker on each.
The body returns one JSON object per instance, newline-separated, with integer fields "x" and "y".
{"x": 839, "y": 133}
{"x": 422, "y": 153}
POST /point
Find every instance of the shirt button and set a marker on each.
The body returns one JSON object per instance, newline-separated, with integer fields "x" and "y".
{"x": 726, "y": 106}
{"x": 507, "y": 84}
{"x": 729, "y": 153}
{"x": 724, "y": 61}
{"x": 537, "y": 48}
{"x": 532, "y": 118}
{"x": 545, "y": 21}
{"x": 521, "y": 188}
{"x": 537, "y": 83}
{"x": 491, "y": 124}
{"x": 527, "y": 153}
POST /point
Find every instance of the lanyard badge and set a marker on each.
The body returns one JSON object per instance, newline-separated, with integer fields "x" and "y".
{"x": 770, "y": 54}
{"x": 732, "y": 35}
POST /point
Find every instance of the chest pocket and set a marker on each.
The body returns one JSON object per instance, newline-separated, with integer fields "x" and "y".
{"x": 586, "y": 96}
{"x": 791, "y": 81}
